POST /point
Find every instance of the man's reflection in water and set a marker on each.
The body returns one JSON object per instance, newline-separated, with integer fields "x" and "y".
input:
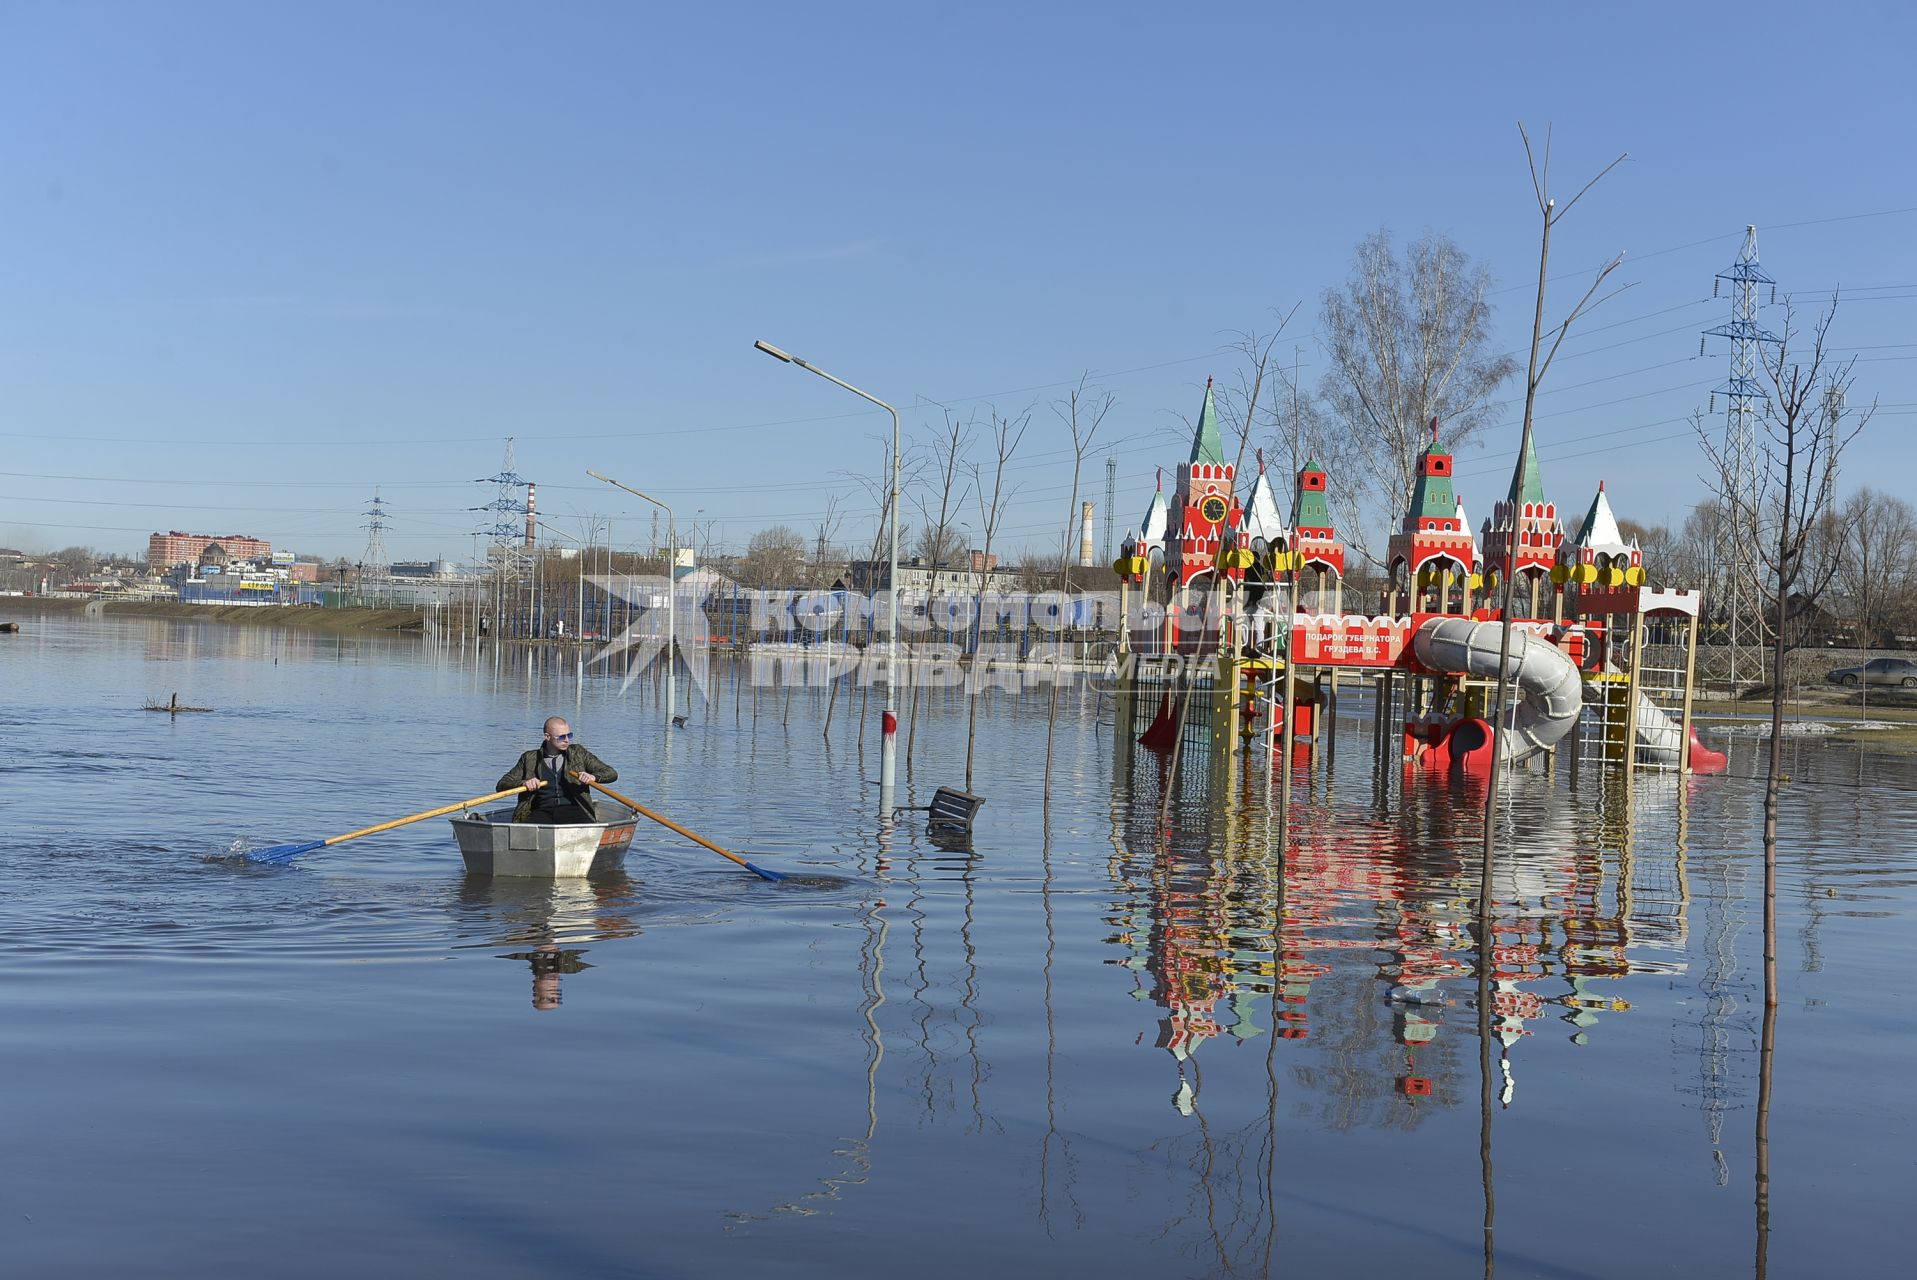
{"x": 550, "y": 915}
{"x": 548, "y": 963}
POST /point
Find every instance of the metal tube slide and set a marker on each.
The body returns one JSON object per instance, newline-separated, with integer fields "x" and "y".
{"x": 1658, "y": 736}
{"x": 1550, "y": 694}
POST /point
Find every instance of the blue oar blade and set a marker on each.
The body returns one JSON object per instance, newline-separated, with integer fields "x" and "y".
{"x": 284, "y": 852}
{"x": 760, "y": 871}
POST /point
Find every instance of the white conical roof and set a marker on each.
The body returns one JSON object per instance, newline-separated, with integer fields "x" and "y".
{"x": 1262, "y": 518}
{"x": 1157, "y": 519}
{"x": 1600, "y": 531}
{"x": 1464, "y": 525}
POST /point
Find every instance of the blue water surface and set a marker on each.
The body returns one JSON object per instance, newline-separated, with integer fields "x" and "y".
{"x": 1092, "y": 1043}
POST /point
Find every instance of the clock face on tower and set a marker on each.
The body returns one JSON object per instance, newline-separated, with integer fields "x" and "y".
{"x": 1213, "y": 508}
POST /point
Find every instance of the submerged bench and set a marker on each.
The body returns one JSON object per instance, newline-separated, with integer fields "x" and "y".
{"x": 953, "y": 810}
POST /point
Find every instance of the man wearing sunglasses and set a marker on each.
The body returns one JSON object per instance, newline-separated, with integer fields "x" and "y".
{"x": 550, "y": 768}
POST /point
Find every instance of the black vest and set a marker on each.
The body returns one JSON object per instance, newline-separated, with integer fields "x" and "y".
{"x": 554, "y": 794}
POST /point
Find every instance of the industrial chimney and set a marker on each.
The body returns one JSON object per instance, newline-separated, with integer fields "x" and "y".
{"x": 1085, "y": 536}
{"x": 532, "y": 506}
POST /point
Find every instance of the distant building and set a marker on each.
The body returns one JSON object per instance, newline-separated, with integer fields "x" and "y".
{"x": 918, "y": 579}
{"x": 422, "y": 569}
{"x": 165, "y": 550}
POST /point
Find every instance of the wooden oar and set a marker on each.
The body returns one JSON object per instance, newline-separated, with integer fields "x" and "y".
{"x": 287, "y": 852}
{"x": 664, "y": 821}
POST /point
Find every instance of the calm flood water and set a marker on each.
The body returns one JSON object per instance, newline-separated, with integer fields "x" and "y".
{"x": 1061, "y": 1052}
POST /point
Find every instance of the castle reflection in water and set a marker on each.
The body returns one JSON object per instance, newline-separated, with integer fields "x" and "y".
{"x": 1362, "y": 941}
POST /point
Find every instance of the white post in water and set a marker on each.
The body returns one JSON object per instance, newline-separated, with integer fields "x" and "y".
{"x": 888, "y": 749}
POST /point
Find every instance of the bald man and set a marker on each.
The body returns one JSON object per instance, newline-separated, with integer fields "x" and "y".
{"x": 550, "y": 768}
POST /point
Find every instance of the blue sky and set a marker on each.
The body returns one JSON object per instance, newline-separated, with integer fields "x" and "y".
{"x": 256, "y": 260}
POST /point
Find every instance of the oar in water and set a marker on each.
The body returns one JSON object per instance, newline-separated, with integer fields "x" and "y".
{"x": 664, "y": 821}
{"x": 287, "y": 852}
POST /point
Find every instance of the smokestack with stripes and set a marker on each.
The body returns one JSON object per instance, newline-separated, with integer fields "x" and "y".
{"x": 1085, "y": 536}
{"x": 532, "y": 506}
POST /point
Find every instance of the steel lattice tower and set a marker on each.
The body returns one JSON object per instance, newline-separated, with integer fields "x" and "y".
{"x": 507, "y": 554}
{"x": 1742, "y": 393}
{"x": 508, "y": 511}
{"x": 1111, "y": 506}
{"x": 374, "y": 561}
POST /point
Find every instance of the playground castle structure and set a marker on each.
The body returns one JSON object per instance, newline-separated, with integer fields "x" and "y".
{"x": 1237, "y": 625}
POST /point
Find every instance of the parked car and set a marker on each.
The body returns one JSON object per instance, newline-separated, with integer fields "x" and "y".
{"x": 1900, "y": 672}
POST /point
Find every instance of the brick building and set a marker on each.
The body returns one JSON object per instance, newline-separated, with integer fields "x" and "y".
{"x": 165, "y": 550}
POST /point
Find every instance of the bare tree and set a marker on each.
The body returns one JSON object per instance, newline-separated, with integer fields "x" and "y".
{"x": 936, "y": 546}
{"x": 943, "y": 461}
{"x": 1006, "y": 432}
{"x": 75, "y": 562}
{"x": 1695, "y": 552}
{"x": 1540, "y": 364}
{"x": 826, "y": 558}
{"x": 824, "y": 567}
{"x": 1806, "y": 425}
{"x": 942, "y": 464}
{"x": 878, "y": 488}
{"x": 1041, "y": 571}
{"x": 1549, "y": 215}
{"x": 1248, "y": 402}
{"x": 1878, "y": 566}
{"x": 1082, "y": 411}
{"x": 1660, "y": 546}
{"x": 774, "y": 557}
{"x": 1300, "y": 427}
{"x": 1408, "y": 341}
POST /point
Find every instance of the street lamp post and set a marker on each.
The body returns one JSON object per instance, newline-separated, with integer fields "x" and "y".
{"x": 888, "y": 750}
{"x": 672, "y": 587}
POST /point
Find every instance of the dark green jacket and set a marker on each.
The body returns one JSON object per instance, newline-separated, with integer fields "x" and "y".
{"x": 578, "y": 760}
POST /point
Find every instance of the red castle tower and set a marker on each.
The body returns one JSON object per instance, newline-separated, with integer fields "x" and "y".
{"x": 1316, "y": 540}
{"x": 1432, "y": 534}
{"x": 1523, "y": 535}
{"x": 1203, "y": 506}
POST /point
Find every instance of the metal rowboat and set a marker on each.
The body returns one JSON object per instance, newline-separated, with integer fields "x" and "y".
{"x": 492, "y": 844}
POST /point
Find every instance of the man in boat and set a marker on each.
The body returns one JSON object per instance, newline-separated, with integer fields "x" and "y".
{"x": 558, "y": 770}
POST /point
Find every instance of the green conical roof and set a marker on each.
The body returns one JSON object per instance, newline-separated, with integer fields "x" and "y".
{"x": 1527, "y": 482}
{"x": 1205, "y": 444}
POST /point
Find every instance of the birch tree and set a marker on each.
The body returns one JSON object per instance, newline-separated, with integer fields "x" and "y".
{"x": 1407, "y": 340}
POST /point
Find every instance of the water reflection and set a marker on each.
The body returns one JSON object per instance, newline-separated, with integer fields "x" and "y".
{"x": 1350, "y": 943}
{"x": 1360, "y": 939}
{"x": 545, "y": 918}
{"x": 1151, "y": 1033}
{"x": 548, "y": 963}
{"x": 851, "y": 1157}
